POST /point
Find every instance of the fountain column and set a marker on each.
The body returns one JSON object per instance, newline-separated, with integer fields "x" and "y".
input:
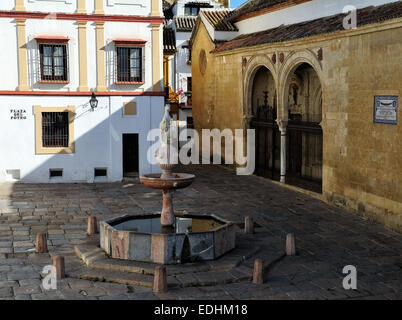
{"x": 167, "y": 217}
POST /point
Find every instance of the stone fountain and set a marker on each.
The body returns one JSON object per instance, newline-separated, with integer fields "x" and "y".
{"x": 169, "y": 237}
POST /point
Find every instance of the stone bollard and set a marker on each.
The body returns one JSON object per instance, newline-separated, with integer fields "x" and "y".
{"x": 290, "y": 244}
{"x": 258, "y": 276}
{"x": 41, "y": 243}
{"x": 58, "y": 263}
{"x": 92, "y": 226}
{"x": 248, "y": 225}
{"x": 160, "y": 280}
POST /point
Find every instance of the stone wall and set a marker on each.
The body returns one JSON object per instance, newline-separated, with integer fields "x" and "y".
{"x": 362, "y": 160}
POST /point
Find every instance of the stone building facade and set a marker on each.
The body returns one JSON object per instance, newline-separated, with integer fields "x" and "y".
{"x": 322, "y": 81}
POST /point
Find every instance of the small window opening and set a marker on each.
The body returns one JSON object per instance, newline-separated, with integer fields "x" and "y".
{"x": 100, "y": 172}
{"x": 55, "y": 173}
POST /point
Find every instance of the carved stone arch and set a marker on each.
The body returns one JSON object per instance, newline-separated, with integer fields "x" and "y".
{"x": 291, "y": 63}
{"x": 253, "y": 65}
{"x": 317, "y": 99}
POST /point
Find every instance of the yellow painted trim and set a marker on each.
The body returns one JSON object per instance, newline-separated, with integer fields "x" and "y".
{"x": 155, "y": 12}
{"x": 130, "y": 109}
{"x": 156, "y": 72}
{"x": 99, "y": 7}
{"x": 100, "y": 55}
{"x": 81, "y": 7}
{"x": 19, "y": 5}
{"x": 38, "y": 130}
{"x": 82, "y": 35}
{"x": 166, "y": 71}
{"x": 22, "y": 56}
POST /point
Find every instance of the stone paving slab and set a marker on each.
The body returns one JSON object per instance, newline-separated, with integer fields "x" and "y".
{"x": 327, "y": 239}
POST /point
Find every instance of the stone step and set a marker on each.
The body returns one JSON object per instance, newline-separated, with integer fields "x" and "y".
{"x": 94, "y": 257}
{"x": 199, "y": 279}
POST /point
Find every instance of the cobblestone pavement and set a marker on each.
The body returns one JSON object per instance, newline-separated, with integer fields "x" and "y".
{"x": 328, "y": 238}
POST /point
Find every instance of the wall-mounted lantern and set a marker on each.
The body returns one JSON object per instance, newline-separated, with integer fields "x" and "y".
{"x": 93, "y": 102}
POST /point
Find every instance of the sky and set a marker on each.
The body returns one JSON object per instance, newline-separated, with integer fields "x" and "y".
{"x": 236, "y": 3}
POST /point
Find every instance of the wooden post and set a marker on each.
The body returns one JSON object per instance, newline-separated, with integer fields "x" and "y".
{"x": 41, "y": 243}
{"x": 92, "y": 225}
{"x": 248, "y": 225}
{"x": 290, "y": 245}
{"x": 58, "y": 263}
{"x": 160, "y": 281}
{"x": 258, "y": 276}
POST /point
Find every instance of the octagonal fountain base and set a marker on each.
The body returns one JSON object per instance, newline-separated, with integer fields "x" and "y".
{"x": 143, "y": 238}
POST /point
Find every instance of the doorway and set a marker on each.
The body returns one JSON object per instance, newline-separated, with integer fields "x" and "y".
{"x": 130, "y": 154}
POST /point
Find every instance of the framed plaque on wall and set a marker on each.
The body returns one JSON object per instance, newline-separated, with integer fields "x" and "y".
{"x": 386, "y": 109}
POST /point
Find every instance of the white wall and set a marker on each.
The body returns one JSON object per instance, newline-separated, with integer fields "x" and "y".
{"x": 7, "y": 4}
{"x": 118, "y": 7}
{"x": 8, "y": 54}
{"x": 65, "y": 28}
{"x": 67, "y": 6}
{"x": 178, "y": 9}
{"x": 129, "y": 7}
{"x": 98, "y": 137}
{"x": 303, "y": 12}
{"x": 183, "y": 70}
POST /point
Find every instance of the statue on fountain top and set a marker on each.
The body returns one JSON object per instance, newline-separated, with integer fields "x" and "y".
{"x": 167, "y": 155}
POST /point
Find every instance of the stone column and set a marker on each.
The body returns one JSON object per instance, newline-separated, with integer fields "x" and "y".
{"x": 19, "y": 5}
{"x": 22, "y": 56}
{"x": 156, "y": 74}
{"x": 82, "y": 36}
{"x": 99, "y": 7}
{"x": 282, "y": 124}
{"x": 81, "y": 7}
{"x": 100, "y": 43}
{"x": 167, "y": 217}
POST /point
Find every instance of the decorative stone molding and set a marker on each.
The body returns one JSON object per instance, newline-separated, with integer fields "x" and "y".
{"x": 282, "y": 124}
{"x": 253, "y": 64}
{"x": 281, "y": 57}
{"x": 319, "y": 54}
{"x": 38, "y": 130}
{"x": 292, "y": 61}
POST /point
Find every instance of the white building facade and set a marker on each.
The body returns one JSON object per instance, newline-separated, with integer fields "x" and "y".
{"x": 54, "y": 54}
{"x": 180, "y": 17}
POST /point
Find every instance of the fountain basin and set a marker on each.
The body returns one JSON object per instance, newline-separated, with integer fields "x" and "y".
{"x": 178, "y": 181}
{"x": 143, "y": 238}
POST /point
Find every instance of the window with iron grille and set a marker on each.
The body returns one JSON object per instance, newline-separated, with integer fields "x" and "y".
{"x": 55, "y": 129}
{"x": 53, "y": 62}
{"x": 129, "y": 64}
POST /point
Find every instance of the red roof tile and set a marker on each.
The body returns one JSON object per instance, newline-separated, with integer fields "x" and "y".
{"x": 314, "y": 27}
{"x": 217, "y": 19}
